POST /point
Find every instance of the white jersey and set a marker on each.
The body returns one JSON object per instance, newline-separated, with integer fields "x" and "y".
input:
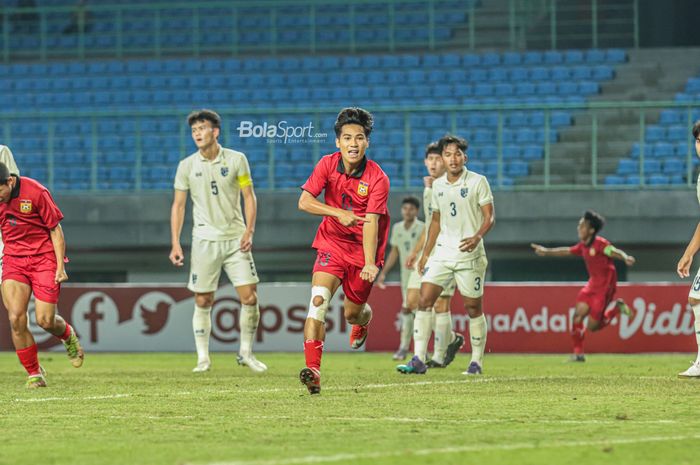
{"x": 428, "y": 204}
{"x": 215, "y": 188}
{"x": 459, "y": 204}
{"x": 405, "y": 240}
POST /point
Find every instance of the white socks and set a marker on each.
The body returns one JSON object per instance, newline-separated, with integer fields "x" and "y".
{"x": 443, "y": 335}
{"x": 422, "y": 328}
{"x": 250, "y": 317}
{"x": 406, "y": 329}
{"x": 696, "y": 312}
{"x": 201, "y": 325}
{"x": 477, "y": 337}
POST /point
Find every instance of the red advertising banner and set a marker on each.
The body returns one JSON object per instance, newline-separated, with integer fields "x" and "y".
{"x": 522, "y": 318}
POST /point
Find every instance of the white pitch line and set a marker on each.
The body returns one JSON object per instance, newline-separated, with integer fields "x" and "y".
{"x": 51, "y": 399}
{"x": 466, "y": 420}
{"x": 454, "y": 450}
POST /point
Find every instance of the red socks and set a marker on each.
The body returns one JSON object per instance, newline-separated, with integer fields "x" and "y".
{"x": 66, "y": 333}
{"x": 313, "y": 350}
{"x": 29, "y": 359}
{"x": 577, "y": 332}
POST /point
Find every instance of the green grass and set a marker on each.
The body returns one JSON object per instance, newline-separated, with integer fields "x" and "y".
{"x": 150, "y": 409}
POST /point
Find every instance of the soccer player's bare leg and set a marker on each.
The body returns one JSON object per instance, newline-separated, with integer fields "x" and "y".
{"x": 323, "y": 287}
{"x": 52, "y": 323}
{"x": 578, "y": 331}
{"x": 15, "y": 297}
{"x": 477, "y": 333}
{"x": 201, "y": 326}
{"x": 249, "y": 319}
{"x": 694, "y": 370}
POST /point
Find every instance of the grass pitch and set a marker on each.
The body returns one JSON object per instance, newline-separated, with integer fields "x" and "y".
{"x": 150, "y": 409}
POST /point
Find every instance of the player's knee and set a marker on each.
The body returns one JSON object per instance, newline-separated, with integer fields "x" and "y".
{"x": 204, "y": 300}
{"x": 320, "y": 300}
{"x": 474, "y": 311}
{"x": 45, "y": 322}
{"x": 18, "y": 322}
{"x": 250, "y": 299}
{"x": 693, "y": 302}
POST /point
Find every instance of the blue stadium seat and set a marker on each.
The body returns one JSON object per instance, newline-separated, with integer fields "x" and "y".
{"x": 533, "y": 58}
{"x": 673, "y": 166}
{"x": 658, "y": 180}
{"x": 616, "y": 56}
{"x": 614, "y": 180}
{"x": 655, "y": 133}
{"x": 573, "y": 57}
{"x": 595, "y": 56}
{"x": 662, "y": 150}
{"x": 553, "y": 57}
{"x": 652, "y": 166}
{"x": 626, "y": 167}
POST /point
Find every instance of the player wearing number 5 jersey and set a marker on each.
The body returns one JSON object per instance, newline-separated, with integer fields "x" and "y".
{"x": 215, "y": 178}
{"x": 462, "y": 215}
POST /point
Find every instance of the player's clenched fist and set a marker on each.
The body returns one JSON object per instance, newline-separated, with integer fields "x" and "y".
{"x": 349, "y": 219}
{"x": 369, "y": 272}
{"x": 177, "y": 258}
{"x": 469, "y": 244}
{"x": 683, "y": 268}
{"x": 61, "y": 276}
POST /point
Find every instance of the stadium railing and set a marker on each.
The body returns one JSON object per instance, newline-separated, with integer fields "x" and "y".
{"x": 595, "y": 162}
{"x": 152, "y": 29}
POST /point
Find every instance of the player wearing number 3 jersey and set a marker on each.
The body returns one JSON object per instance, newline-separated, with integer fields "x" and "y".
{"x": 216, "y": 178}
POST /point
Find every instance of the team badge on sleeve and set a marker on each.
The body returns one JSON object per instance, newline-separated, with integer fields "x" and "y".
{"x": 224, "y": 171}
{"x": 25, "y": 206}
{"x": 464, "y": 192}
{"x": 363, "y": 189}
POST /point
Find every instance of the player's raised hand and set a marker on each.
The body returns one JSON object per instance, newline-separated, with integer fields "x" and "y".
{"x": 428, "y": 181}
{"x": 177, "y": 257}
{"x": 468, "y": 244}
{"x": 683, "y": 268}
{"x": 369, "y": 272}
{"x": 247, "y": 241}
{"x": 349, "y": 219}
{"x": 539, "y": 249}
{"x": 380, "y": 281}
{"x": 61, "y": 275}
{"x": 630, "y": 260}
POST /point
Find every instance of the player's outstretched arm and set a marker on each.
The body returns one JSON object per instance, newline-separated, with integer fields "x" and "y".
{"x": 250, "y": 204}
{"x": 543, "y": 251}
{"x": 613, "y": 252}
{"x": 683, "y": 268}
{"x": 309, "y": 204}
{"x": 177, "y": 218}
{"x": 433, "y": 232}
{"x": 390, "y": 262}
{"x": 59, "y": 248}
{"x": 370, "y": 237}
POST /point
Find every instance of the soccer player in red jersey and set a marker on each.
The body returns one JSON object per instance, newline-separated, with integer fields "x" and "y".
{"x": 33, "y": 262}
{"x": 351, "y": 240}
{"x": 593, "y": 300}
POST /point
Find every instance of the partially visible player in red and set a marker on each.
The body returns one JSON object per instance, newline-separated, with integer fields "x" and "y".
{"x": 351, "y": 239}
{"x": 595, "y": 298}
{"x": 33, "y": 262}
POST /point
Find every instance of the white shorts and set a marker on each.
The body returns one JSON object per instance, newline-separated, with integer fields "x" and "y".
{"x": 414, "y": 282}
{"x": 695, "y": 287}
{"x": 209, "y": 257}
{"x": 469, "y": 275}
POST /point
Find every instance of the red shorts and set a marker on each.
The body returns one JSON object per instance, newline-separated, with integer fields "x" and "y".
{"x": 355, "y": 288}
{"x": 597, "y": 300}
{"x": 37, "y": 271}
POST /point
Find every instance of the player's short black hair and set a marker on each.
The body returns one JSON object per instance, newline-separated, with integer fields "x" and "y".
{"x": 696, "y": 129}
{"x": 595, "y": 220}
{"x": 411, "y": 200}
{"x": 448, "y": 139}
{"x": 204, "y": 115}
{"x": 4, "y": 173}
{"x": 432, "y": 147}
{"x": 354, "y": 115}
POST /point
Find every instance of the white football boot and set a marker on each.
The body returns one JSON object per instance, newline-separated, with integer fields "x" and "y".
{"x": 692, "y": 372}
{"x": 202, "y": 367}
{"x": 251, "y": 362}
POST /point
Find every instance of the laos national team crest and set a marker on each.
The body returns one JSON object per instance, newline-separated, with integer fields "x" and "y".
{"x": 363, "y": 189}
{"x": 591, "y": 252}
{"x": 25, "y": 206}
{"x": 224, "y": 171}
{"x": 463, "y": 192}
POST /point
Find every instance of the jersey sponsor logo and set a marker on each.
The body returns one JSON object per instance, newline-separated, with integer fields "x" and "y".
{"x": 464, "y": 191}
{"x": 224, "y": 171}
{"x": 25, "y": 206}
{"x": 363, "y": 189}
{"x": 194, "y": 278}
{"x": 198, "y": 175}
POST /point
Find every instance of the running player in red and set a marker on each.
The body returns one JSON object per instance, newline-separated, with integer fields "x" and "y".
{"x": 33, "y": 262}
{"x": 593, "y": 300}
{"x": 351, "y": 240}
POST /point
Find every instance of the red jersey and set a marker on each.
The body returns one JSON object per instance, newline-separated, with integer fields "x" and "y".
{"x": 364, "y": 191}
{"x": 26, "y": 219}
{"x": 601, "y": 268}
